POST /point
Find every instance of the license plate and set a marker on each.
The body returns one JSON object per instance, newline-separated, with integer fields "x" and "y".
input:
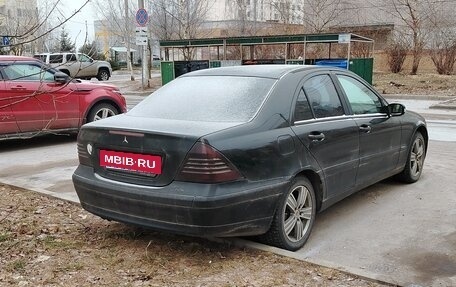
{"x": 131, "y": 161}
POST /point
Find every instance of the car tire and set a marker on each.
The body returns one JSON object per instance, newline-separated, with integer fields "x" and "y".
{"x": 415, "y": 160}
{"x": 101, "y": 111}
{"x": 103, "y": 75}
{"x": 294, "y": 217}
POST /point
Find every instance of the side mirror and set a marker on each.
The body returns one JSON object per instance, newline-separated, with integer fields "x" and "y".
{"x": 61, "y": 77}
{"x": 396, "y": 109}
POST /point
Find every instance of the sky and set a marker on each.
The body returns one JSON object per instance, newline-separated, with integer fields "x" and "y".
{"x": 76, "y": 26}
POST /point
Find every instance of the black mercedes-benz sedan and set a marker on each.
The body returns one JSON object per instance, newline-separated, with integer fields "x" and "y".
{"x": 247, "y": 150}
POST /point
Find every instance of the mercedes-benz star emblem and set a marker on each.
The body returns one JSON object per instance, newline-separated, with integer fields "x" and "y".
{"x": 125, "y": 140}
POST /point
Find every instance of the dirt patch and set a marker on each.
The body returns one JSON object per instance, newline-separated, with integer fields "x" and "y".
{"x": 48, "y": 242}
{"x": 421, "y": 84}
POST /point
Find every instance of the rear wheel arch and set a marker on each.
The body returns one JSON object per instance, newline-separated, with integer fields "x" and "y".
{"x": 317, "y": 184}
{"x": 294, "y": 216}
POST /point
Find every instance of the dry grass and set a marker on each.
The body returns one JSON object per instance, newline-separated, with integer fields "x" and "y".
{"x": 48, "y": 242}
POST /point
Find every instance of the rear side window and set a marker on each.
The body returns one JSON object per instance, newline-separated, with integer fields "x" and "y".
{"x": 56, "y": 59}
{"x": 207, "y": 98}
{"x": 323, "y": 97}
{"x": 302, "y": 108}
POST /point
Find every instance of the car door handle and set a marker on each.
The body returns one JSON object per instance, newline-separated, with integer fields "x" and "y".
{"x": 18, "y": 88}
{"x": 365, "y": 128}
{"x": 316, "y": 136}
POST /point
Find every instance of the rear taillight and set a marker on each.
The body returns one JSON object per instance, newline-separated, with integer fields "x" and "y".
{"x": 84, "y": 153}
{"x": 207, "y": 165}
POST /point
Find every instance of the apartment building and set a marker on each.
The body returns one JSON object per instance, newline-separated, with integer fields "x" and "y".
{"x": 17, "y": 17}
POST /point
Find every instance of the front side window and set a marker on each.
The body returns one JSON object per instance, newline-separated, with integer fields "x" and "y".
{"x": 71, "y": 58}
{"x": 83, "y": 58}
{"x": 27, "y": 72}
{"x": 323, "y": 97}
{"x": 362, "y": 100}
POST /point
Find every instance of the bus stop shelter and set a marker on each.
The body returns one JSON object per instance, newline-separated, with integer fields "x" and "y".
{"x": 347, "y": 50}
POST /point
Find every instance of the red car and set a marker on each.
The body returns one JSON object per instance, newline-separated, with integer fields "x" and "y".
{"x": 37, "y": 99}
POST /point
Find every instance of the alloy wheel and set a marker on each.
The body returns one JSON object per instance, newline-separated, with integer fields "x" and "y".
{"x": 103, "y": 113}
{"x": 417, "y": 157}
{"x": 297, "y": 213}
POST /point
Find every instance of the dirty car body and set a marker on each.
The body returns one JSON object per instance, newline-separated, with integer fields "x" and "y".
{"x": 36, "y": 99}
{"x": 249, "y": 150}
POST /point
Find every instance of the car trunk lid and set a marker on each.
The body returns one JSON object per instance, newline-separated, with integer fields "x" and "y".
{"x": 141, "y": 150}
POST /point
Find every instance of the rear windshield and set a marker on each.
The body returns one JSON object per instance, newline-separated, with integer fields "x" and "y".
{"x": 207, "y": 98}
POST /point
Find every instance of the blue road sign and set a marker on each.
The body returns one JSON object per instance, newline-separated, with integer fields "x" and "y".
{"x": 5, "y": 41}
{"x": 142, "y": 17}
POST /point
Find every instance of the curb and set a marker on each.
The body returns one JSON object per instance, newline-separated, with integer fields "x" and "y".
{"x": 448, "y": 102}
{"x": 433, "y": 118}
{"x": 356, "y": 272}
{"x": 142, "y": 94}
{"x": 419, "y": 97}
{"x": 443, "y": 107}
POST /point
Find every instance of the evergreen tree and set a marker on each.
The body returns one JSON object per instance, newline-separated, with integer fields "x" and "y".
{"x": 65, "y": 44}
{"x": 91, "y": 50}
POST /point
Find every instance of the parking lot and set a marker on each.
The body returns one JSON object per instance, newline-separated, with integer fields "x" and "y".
{"x": 402, "y": 234}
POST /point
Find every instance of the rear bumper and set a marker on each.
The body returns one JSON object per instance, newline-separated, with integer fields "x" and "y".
{"x": 230, "y": 209}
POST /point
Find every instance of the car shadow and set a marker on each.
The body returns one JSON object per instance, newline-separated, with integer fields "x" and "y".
{"x": 34, "y": 142}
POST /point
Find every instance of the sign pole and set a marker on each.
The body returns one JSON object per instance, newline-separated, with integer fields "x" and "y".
{"x": 144, "y": 61}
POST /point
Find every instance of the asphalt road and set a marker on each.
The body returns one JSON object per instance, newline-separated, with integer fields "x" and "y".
{"x": 403, "y": 234}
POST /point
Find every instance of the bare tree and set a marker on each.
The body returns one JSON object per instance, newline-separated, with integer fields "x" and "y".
{"x": 241, "y": 17}
{"x": 319, "y": 15}
{"x": 244, "y": 17}
{"x": 443, "y": 38}
{"x": 415, "y": 16}
{"x": 162, "y": 20}
{"x": 17, "y": 23}
{"x": 162, "y": 23}
{"x": 284, "y": 9}
{"x": 181, "y": 19}
{"x": 34, "y": 24}
{"x": 396, "y": 52}
{"x": 119, "y": 19}
{"x": 443, "y": 54}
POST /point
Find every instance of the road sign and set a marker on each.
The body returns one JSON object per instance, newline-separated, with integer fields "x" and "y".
{"x": 344, "y": 38}
{"x": 141, "y": 31}
{"x": 141, "y": 41}
{"x": 141, "y": 36}
{"x": 5, "y": 41}
{"x": 142, "y": 17}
